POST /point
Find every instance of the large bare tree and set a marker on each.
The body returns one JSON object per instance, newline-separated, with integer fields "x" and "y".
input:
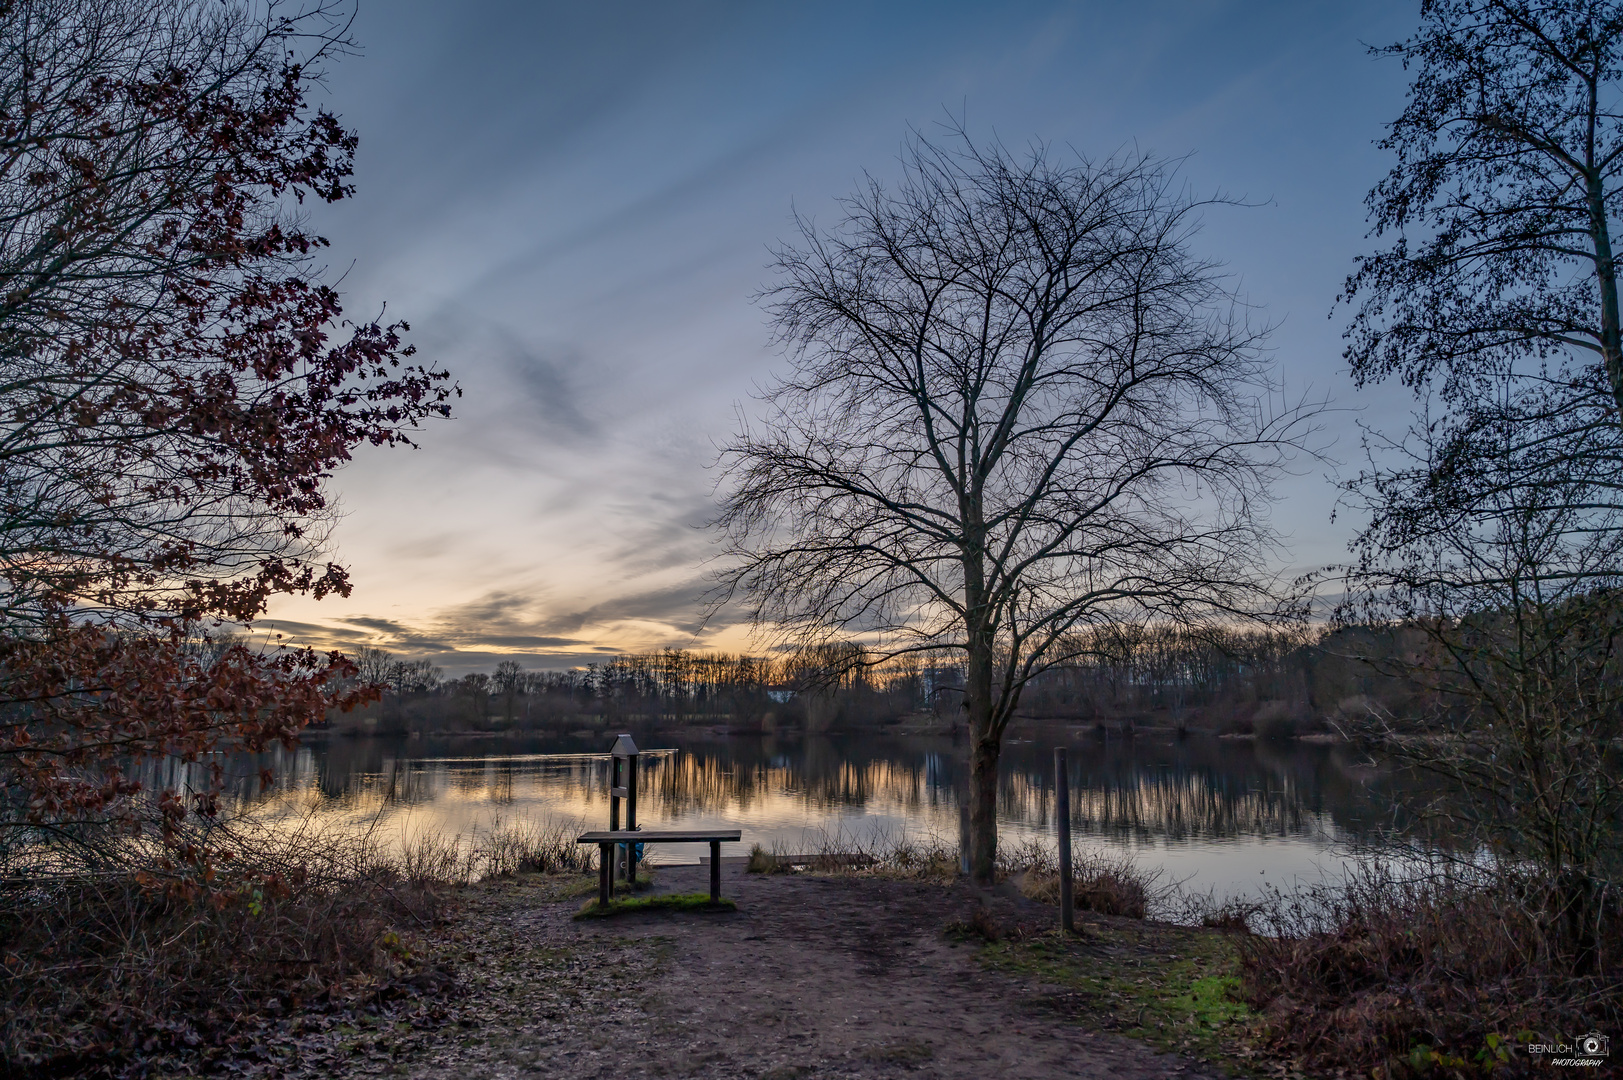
{"x": 1018, "y": 405}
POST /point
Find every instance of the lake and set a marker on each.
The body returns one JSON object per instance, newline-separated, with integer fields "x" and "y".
{"x": 1227, "y": 815}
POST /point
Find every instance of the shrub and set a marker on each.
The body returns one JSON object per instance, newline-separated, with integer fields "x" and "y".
{"x": 1274, "y": 720}
{"x": 108, "y": 966}
{"x": 1233, "y": 916}
{"x": 534, "y": 847}
{"x": 765, "y": 862}
{"x": 1108, "y": 883}
{"x": 892, "y": 855}
{"x": 1408, "y": 974}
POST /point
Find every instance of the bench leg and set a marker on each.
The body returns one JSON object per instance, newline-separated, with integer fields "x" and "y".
{"x": 605, "y": 867}
{"x": 715, "y": 871}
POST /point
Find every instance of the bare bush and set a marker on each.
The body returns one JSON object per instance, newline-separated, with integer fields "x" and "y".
{"x": 763, "y": 861}
{"x": 100, "y": 959}
{"x": 107, "y": 966}
{"x": 880, "y": 853}
{"x": 1107, "y": 882}
{"x": 1407, "y": 972}
{"x": 431, "y": 857}
{"x": 528, "y": 846}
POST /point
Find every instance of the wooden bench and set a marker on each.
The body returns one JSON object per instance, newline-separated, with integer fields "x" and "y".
{"x": 607, "y": 839}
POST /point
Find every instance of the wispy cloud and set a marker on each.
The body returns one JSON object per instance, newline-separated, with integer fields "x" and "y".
{"x": 547, "y": 383}
{"x": 509, "y": 623}
{"x": 581, "y": 247}
{"x": 677, "y": 606}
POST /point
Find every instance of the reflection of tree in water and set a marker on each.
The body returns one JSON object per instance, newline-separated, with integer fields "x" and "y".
{"x": 710, "y": 781}
{"x": 1198, "y": 788}
{"x": 1173, "y": 804}
{"x": 1201, "y": 788}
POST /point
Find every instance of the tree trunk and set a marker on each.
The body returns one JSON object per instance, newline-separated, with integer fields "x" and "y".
{"x": 1577, "y": 902}
{"x": 983, "y": 755}
{"x": 984, "y": 746}
{"x": 1611, "y": 332}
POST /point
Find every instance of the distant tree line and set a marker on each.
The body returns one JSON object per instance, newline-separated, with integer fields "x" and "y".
{"x": 665, "y": 686}
{"x": 1270, "y": 681}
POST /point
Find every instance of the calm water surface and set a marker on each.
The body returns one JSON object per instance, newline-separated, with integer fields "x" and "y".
{"x": 1226, "y": 815}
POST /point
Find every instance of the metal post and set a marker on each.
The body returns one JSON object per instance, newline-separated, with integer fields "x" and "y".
{"x": 616, "y": 771}
{"x": 605, "y": 868}
{"x": 631, "y": 821}
{"x": 623, "y": 786}
{"x": 1062, "y": 816}
{"x": 715, "y": 871}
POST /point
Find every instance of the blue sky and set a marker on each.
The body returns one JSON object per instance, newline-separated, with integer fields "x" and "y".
{"x": 572, "y": 206}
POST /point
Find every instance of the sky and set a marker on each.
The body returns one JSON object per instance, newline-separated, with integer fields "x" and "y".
{"x": 573, "y": 205}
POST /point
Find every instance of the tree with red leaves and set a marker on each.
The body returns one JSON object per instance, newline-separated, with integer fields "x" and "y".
{"x": 177, "y": 384}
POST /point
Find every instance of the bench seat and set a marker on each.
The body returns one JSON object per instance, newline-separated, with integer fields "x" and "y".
{"x": 661, "y": 836}
{"x": 607, "y": 838}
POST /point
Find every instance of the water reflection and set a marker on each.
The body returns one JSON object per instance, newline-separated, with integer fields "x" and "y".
{"x": 1224, "y": 812}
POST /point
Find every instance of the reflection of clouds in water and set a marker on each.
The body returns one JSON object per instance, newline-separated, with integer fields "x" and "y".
{"x": 1222, "y": 816}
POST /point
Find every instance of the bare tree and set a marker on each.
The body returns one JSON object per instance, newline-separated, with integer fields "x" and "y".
{"x": 1018, "y": 404}
{"x": 414, "y": 677}
{"x": 1517, "y": 618}
{"x": 1496, "y": 526}
{"x": 1497, "y": 293}
{"x": 376, "y": 665}
{"x": 508, "y": 684}
{"x": 818, "y": 671}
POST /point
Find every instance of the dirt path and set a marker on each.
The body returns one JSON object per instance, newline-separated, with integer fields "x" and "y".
{"x": 813, "y": 977}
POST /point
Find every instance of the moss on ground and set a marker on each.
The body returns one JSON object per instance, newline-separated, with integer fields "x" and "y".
{"x": 665, "y": 902}
{"x": 1173, "y": 987}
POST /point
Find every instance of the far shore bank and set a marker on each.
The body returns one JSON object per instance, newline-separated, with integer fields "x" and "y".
{"x": 1025, "y": 729}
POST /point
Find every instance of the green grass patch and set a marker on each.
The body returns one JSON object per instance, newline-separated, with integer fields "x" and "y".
{"x": 1172, "y": 987}
{"x": 666, "y": 902}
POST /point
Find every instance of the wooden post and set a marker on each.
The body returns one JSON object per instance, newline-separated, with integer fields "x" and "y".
{"x": 605, "y": 868}
{"x": 963, "y": 836}
{"x": 715, "y": 871}
{"x": 1062, "y": 816}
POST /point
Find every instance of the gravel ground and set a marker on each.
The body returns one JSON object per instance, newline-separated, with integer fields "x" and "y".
{"x": 812, "y": 977}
